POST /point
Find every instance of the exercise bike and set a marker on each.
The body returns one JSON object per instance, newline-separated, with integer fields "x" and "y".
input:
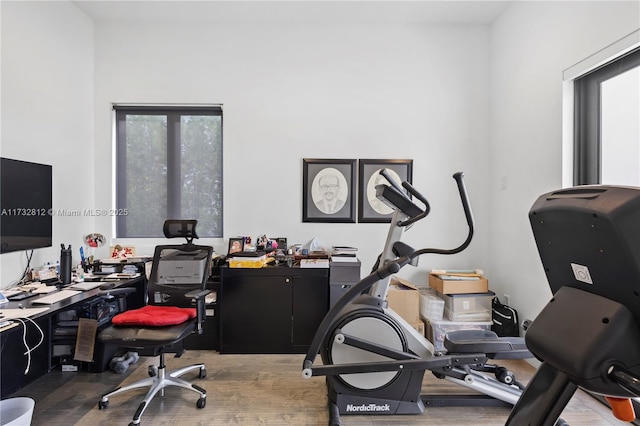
{"x": 588, "y": 335}
{"x": 374, "y": 361}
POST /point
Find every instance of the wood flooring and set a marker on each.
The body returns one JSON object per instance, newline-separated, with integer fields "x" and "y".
{"x": 253, "y": 390}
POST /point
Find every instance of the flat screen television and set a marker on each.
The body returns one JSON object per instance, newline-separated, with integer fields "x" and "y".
{"x": 25, "y": 205}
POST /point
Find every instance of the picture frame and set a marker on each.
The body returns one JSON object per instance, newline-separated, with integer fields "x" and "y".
{"x": 328, "y": 190}
{"x": 370, "y": 209}
{"x": 236, "y": 245}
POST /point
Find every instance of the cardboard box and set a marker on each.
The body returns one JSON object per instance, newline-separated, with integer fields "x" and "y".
{"x": 404, "y": 298}
{"x": 458, "y": 286}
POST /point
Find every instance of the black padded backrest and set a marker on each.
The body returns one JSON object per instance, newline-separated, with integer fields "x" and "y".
{"x": 177, "y": 270}
{"x": 180, "y": 228}
{"x": 588, "y": 238}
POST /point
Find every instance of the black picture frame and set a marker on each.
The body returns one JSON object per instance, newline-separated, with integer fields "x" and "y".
{"x": 370, "y": 209}
{"x": 319, "y": 198}
{"x": 236, "y": 245}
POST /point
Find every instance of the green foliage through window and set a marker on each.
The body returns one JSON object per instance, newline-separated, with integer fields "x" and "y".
{"x": 169, "y": 166}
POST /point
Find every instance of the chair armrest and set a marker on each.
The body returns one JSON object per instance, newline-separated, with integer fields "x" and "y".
{"x": 197, "y": 294}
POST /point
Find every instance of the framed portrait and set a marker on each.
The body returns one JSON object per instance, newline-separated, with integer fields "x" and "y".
{"x": 370, "y": 209}
{"x": 328, "y": 190}
{"x": 236, "y": 245}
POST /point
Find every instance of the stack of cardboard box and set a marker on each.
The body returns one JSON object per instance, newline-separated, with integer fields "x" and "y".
{"x": 467, "y": 305}
{"x": 404, "y": 298}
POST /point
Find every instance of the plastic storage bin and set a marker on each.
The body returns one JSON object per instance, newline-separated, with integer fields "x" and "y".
{"x": 467, "y": 306}
{"x": 431, "y": 306}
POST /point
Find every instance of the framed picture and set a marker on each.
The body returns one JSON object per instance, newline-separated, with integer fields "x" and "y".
{"x": 370, "y": 209}
{"x": 328, "y": 190}
{"x": 236, "y": 245}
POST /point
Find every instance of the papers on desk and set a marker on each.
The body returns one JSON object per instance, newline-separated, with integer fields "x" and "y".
{"x": 9, "y": 317}
{"x": 116, "y": 276}
{"x": 122, "y": 276}
{"x": 314, "y": 263}
{"x": 343, "y": 258}
{"x": 38, "y": 288}
{"x": 132, "y": 259}
{"x": 11, "y": 292}
{"x": 9, "y": 314}
{"x": 211, "y": 298}
{"x": 45, "y": 289}
{"x": 26, "y": 291}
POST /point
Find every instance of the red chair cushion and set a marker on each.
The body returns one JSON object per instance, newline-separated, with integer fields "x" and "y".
{"x": 152, "y": 315}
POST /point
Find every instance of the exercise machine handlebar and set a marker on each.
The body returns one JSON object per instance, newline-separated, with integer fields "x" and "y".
{"x": 466, "y": 206}
{"x": 384, "y": 173}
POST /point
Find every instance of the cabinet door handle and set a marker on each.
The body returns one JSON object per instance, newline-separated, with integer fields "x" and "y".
{"x": 287, "y": 280}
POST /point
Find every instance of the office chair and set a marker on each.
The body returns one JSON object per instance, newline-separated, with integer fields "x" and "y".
{"x": 175, "y": 310}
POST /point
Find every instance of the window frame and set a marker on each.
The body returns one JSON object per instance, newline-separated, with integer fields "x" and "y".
{"x": 173, "y": 112}
{"x": 587, "y": 123}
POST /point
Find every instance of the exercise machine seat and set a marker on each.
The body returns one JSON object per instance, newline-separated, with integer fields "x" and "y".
{"x": 488, "y": 342}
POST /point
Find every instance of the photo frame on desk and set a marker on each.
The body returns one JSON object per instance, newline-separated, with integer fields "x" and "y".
{"x": 370, "y": 209}
{"x": 236, "y": 245}
{"x": 328, "y": 190}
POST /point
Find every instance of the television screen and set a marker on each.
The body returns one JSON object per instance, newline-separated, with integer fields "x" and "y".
{"x": 25, "y": 205}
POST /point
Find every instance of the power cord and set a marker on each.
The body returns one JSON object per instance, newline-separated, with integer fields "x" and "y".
{"x": 28, "y": 267}
{"x": 25, "y": 274}
{"x": 24, "y": 339}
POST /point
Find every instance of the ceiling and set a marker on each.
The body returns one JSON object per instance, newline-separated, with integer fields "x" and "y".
{"x": 296, "y": 11}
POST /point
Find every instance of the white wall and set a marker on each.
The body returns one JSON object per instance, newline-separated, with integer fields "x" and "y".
{"x": 318, "y": 91}
{"x": 483, "y": 100}
{"x": 47, "y": 112}
{"x": 531, "y": 44}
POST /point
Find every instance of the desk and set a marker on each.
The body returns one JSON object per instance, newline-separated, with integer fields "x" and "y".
{"x": 13, "y": 362}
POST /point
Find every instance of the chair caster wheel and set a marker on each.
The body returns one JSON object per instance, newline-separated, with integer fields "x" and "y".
{"x": 103, "y": 405}
{"x": 203, "y": 373}
{"x": 201, "y": 402}
{"x": 152, "y": 370}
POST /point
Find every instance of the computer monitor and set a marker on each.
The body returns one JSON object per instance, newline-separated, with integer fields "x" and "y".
{"x": 25, "y": 204}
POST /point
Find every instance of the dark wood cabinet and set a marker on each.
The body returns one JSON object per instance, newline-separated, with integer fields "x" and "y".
{"x": 18, "y": 369}
{"x": 271, "y": 310}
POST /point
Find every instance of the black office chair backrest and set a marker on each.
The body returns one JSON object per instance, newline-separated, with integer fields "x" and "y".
{"x": 180, "y": 268}
{"x": 175, "y": 228}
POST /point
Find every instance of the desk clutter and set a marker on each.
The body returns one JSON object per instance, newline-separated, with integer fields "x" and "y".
{"x": 274, "y": 251}
{"x": 454, "y": 300}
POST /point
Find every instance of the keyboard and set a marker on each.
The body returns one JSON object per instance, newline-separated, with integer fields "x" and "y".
{"x": 55, "y": 297}
{"x": 84, "y": 286}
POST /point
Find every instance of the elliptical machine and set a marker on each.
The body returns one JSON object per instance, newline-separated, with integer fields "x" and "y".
{"x": 374, "y": 361}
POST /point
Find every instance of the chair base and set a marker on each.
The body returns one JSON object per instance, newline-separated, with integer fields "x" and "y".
{"x": 157, "y": 383}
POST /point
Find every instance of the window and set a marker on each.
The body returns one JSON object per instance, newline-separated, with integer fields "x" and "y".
{"x": 168, "y": 166}
{"x": 607, "y": 123}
